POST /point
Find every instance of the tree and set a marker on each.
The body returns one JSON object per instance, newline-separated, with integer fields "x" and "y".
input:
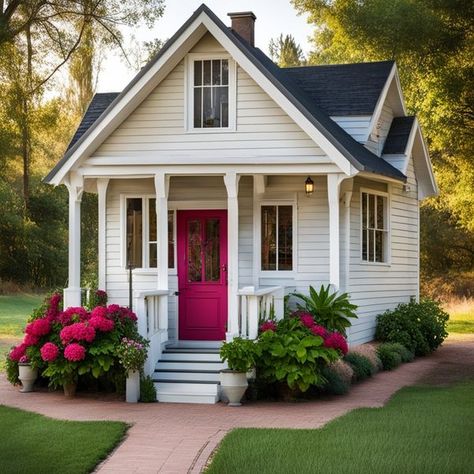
{"x": 286, "y": 52}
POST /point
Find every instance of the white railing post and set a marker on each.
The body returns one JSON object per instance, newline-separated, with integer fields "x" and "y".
{"x": 243, "y": 316}
{"x": 334, "y": 181}
{"x": 279, "y": 304}
{"x": 254, "y": 308}
{"x": 102, "y": 184}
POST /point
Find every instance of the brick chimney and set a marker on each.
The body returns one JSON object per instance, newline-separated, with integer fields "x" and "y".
{"x": 243, "y": 23}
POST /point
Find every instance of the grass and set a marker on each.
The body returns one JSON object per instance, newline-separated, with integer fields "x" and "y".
{"x": 422, "y": 429}
{"x": 14, "y": 311}
{"x": 32, "y": 443}
{"x": 461, "y": 315}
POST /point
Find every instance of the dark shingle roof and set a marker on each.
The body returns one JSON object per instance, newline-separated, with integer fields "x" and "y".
{"x": 359, "y": 156}
{"x": 398, "y": 134}
{"x": 98, "y": 104}
{"x": 343, "y": 89}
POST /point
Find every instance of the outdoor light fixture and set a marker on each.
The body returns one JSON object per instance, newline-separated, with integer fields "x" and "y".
{"x": 309, "y": 186}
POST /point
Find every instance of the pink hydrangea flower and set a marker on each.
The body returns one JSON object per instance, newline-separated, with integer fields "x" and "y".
{"x": 99, "y": 311}
{"x": 121, "y": 312}
{"x": 268, "y": 326}
{"x": 77, "y": 332}
{"x": 53, "y": 310}
{"x": 24, "y": 359}
{"x": 73, "y": 314}
{"x": 337, "y": 341}
{"x": 49, "y": 352}
{"x": 101, "y": 324}
{"x": 38, "y": 327}
{"x": 18, "y": 352}
{"x": 318, "y": 330}
{"x": 30, "y": 340}
{"x": 74, "y": 352}
{"x": 307, "y": 320}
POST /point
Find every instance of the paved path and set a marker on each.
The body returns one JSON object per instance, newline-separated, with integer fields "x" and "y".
{"x": 178, "y": 438}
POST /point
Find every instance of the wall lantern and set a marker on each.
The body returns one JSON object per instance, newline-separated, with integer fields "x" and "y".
{"x": 309, "y": 186}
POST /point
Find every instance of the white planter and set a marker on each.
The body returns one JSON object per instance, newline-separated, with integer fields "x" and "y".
{"x": 27, "y": 375}
{"x": 233, "y": 385}
{"x": 132, "y": 389}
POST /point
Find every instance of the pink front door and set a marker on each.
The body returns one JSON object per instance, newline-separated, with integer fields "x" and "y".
{"x": 202, "y": 274}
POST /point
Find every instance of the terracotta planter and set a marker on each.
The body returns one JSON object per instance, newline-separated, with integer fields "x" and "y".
{"x": 132, "y": 389}
{"x": 27, "y": 375}
{"x": 70, "y": 389}
{"x": 234, "y": 384}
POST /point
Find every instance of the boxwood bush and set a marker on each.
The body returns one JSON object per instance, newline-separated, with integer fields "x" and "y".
{"x": 420, "y": 327}
{"x": 389, "y": 355}
{"x": 360, "y": 364}
{"x": 334, "y": 384}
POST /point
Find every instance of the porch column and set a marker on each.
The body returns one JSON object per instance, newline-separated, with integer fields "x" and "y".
{"x": 231, "y": 181}
{"x": 102, "y": 184}
{"x": 334, "y": 181}
{"x": 162, "y": 189}
{"x": 72, "y": 294}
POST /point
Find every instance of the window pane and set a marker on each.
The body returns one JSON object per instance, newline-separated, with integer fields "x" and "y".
{"x": 170, "y": 239}
{"x": 207, "y": 73}
{"x": 152, "y": 249}
{"x": 194, "y": 251}
{"x": 364, "y": 244}
{"x": 216, "y": 72}
{"x": 197, "y": 108}
{"x": 221, "y": 99}
{"x": 364, "y": 210}
{"x": 197, "y": 73}
{"x": 371, "y": 211}
{"x": 208, "y": 109}
{"x": 212, "y": 250}
{"x": 134, "y": 232}
{"x": 152, "y": 220}
{"x": 285, "y": 237}
{"x": 268, "y": 249}
{"x": 380, "y": 212}
{"x": 379, "y": 246}
{"x": 225, "y": 72}
{"x": 371, "y": 244}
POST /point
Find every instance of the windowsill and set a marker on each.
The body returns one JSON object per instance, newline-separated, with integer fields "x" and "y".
{"x": 209, "y": 130}
{"x": 277, "y": 274}
{"x": 150, "y": 271}
{"x": 375, "y": 264}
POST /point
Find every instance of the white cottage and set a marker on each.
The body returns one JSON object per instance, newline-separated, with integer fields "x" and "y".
{"x": 227, "y": 182}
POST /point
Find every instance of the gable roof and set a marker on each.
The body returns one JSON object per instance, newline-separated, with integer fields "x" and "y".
{"x": 343, "y": 89}
{"x": 398, "y": 135}
{"x": 354, "y": 152}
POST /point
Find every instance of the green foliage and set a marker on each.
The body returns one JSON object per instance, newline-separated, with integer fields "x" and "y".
{"x": 331, "y": 310}
{"x": 420, "y": 327}
{"x": 292, "y": 354}
{"x": 132, "y": 353}
{"x": 389, "y": 356}
{"x": 12, "y": 370}
{"x": 286, "y": 52}
{"x": 240, "y": 354}
{"x": 405, "y": 354}
{"x": 334, "y": 384}
{"x": 147, "y": 390}
{"x": 361, "y": 365}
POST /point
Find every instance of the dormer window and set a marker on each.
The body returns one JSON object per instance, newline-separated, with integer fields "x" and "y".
{"x": 211, "y": 93}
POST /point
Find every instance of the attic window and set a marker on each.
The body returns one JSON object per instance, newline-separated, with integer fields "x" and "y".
{"x": 211, "y": 93}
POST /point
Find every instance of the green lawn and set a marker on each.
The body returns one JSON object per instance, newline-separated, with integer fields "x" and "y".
{"x": 14, "y": 310}
{"x": 31, "y": 443}
{"x": 461, "y": 316}
{"x": 422, "y": 429}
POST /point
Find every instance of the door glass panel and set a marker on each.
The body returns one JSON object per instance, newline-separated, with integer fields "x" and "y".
{"x": 212, "y": 250}
{"x": 134, "y": 232}
{"x": 285, "y": 237}
{"x": 268, "y": 238}
{"x": 194, "y": 251}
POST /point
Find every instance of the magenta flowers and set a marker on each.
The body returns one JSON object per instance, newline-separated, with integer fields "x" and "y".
{"x": 49, "y": 352}
{"x": 74, "y": 352}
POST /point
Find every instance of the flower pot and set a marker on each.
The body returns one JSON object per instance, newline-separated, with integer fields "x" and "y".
{"x": 27, "y": 375}
{"x": 234, "y": 384}
{"x": 132, "y": 389}
{"x": 70, "y": 389}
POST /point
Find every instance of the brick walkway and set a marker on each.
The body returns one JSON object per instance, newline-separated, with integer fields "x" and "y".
{"x": 175, "y": 438}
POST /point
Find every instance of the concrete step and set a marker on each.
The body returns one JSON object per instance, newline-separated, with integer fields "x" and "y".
{"x": 190, "y": 356}
{"x": 191, "y": 365}
{"x": 179, "y": 375}
{"x": 186, "y": 391}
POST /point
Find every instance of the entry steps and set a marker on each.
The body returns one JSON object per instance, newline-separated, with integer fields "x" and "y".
{"x": 188, "y": 373}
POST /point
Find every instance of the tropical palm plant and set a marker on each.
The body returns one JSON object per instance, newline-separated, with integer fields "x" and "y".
{"x": 331, "y": 310}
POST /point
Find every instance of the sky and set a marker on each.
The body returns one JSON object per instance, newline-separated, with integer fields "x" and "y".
{"x": 273, "y": 18}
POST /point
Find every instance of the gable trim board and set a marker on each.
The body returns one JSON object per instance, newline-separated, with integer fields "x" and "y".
{"x": 347, "y": 153}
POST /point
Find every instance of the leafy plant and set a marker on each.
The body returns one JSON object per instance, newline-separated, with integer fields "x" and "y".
{"x": 389, "y": 356}
{"x": 132, "y": 353}
{"x": 240, "y": 354}
{"x": 361, "y": 365}
{"x": 334, "y": 384}
{"x": 293, "y": 354}
{"x": 331, "y": 310}
{"x": 12, "y": 370}
{"x": 405, "y": 354}
{"x": 147, "y": 390}
{"x": 420, "y": 327}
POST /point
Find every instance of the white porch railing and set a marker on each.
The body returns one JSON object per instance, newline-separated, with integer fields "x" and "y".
{"x": 151, "y": 309}
{"x": 257, "y": 304}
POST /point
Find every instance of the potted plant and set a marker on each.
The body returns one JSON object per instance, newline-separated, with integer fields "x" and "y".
{"x": 240, "y": 356}
{"x": 27, "y": 374}
{"x": 132, "y": 355}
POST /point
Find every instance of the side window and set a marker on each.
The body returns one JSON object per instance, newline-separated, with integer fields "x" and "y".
{"x": 374, "y": 228}
{"x": 135, "y": 232}
{"x": 277, "y": 238}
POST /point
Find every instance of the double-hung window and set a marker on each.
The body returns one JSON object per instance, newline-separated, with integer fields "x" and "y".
{"x": 141, "y": 233}
{"x": 375, "y": 227}
{"x": 276, "y": 237}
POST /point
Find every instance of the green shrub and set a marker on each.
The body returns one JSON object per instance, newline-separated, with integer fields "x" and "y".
{"x": 369, "y": 351}
{"x": 335, "y": 383}
{"x": 389, "y": 356}
{"x": 361, "y": 365}
{"x": 420, "y": 327}
{"x": 147, "y": 390}
{"x": 240, "y": 354}
{"x": 11, "y": 367}
{"x": 405, "y": 354}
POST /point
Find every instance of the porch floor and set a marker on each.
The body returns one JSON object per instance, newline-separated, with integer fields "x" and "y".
{"x": 172, "y": 438}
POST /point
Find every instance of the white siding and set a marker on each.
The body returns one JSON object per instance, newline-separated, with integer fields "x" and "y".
{"x": 375, "y": 287}
{"x": 378, "y": 136}
{"x": 357, "y": 126}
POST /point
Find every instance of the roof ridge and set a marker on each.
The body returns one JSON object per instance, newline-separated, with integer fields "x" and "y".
{"x": 310, "y": 66}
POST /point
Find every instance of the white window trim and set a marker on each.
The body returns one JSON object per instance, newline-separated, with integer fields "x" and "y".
{"x": 145, "y": 226}
{"x": 189, "y": 94}
{"x": 387, "y": 195}
{"x": 258, "y": 237}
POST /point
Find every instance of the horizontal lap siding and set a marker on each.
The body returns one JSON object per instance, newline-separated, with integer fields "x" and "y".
{"x": 376, "y": 288}
{"x": 356, "y": 126}
{"x": 378, "y": 136}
